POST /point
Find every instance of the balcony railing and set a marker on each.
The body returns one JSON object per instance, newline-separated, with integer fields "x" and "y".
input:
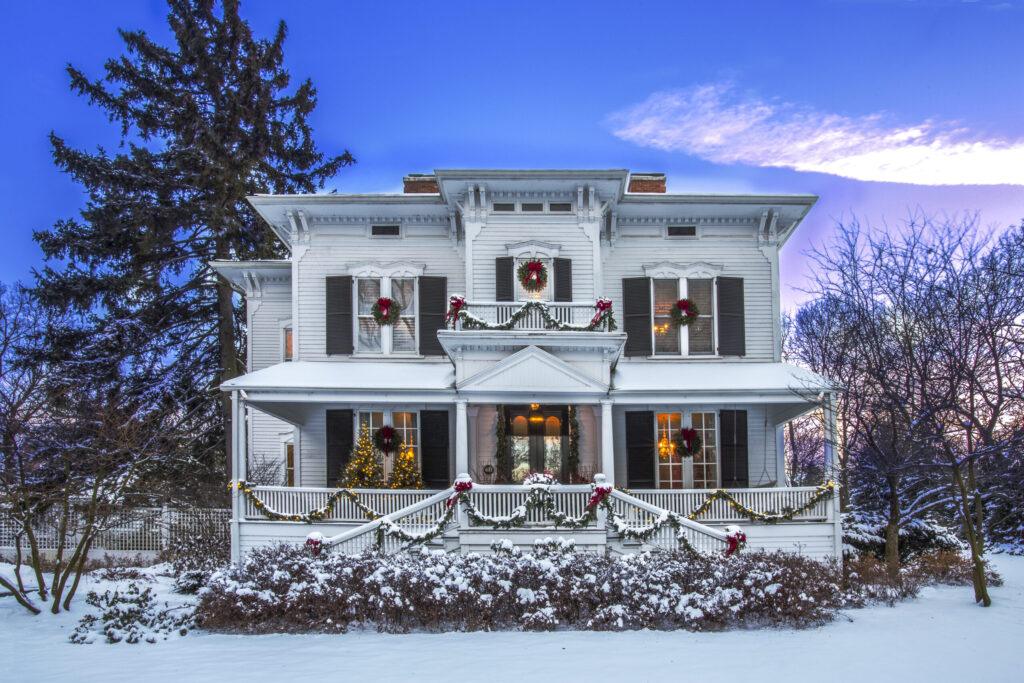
{"x": 530, "y": 316}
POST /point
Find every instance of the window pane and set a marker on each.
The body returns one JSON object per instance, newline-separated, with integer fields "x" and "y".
{"x": 700, "y": 336}
{"x": 670, "y": 468}
{"x": 369, "y": 335}
{"x": 287, "y": 343}
{"x": 699, "y": 292}
{"x": 705, "y": 463}
{"x": 403, "y": 335}
{"x": 520, "y": 456}
{"x": 666, "y": 333}
{"x": 369, "y": 292}
{"x": 403, "y": 291}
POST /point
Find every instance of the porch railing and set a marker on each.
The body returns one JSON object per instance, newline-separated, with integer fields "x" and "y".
{"x": 768, "y": 500}
{"x": 296, "y": 501}
{"x": 638, "y": 514}
{"x": 496, "y": 500}
{"x": 499, "y": 313}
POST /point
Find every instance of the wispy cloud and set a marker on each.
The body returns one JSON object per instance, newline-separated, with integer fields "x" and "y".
{"x": 717, "y": 123}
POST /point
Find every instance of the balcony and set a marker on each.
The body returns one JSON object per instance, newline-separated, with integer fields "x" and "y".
{"x": 535, "y": 316}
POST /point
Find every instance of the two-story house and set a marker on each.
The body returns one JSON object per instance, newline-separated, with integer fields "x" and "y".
{"x": 494, "y": 355}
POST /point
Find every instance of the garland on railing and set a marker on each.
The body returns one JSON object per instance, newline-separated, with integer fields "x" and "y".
{"x": 645, "y": 533}
{"x": 604, "y": 319}
{"x": 316, "y": 515}
{"x": 824, "y": 491}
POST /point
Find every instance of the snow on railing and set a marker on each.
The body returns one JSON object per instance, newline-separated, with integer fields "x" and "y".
{"x": 496, "y": 500}
{"x": 638, "y": 516}
{"x": 416, "y": 518}
{"x": 298, "y": 501}
{"x": 500, "y": 312}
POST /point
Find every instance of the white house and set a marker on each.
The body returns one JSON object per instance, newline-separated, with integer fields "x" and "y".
{"x": 520, "y": 370}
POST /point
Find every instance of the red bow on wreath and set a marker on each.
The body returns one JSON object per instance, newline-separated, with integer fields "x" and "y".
{"x": 534, "y": 269}
{"x": 314, "y": 542}
{"x": 734, "y": 542}
{"x": 601, "y": 305}
{"x": 688, "y": 435}
{"x": 684, "y": 306}
{"x": 384, "y": 304}
{"x": 387, "y": 438}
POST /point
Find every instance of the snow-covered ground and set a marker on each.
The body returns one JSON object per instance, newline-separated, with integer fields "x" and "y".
{"x": 941, "y": 636}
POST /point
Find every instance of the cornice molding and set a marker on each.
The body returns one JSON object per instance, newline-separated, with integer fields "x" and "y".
{"x": 390, "y": 269}
{"x": 533, "y": 248}
{"x": 669, "y": 270}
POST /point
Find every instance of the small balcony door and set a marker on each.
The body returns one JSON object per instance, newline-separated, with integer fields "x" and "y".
{"x": 539, "y": 441}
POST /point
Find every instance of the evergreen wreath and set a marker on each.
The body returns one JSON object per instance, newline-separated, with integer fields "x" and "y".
{"x": 387, "y": 440}
{"x": 386, "y": 311}
{"x": 685, "y": 312}
{"x": 533, "y": 275}
{"x": 688, "y": 442}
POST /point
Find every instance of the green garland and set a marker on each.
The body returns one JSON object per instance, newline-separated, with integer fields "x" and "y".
{"x": 317, "y": 515}
{"x": 573, "y": 458}
{"x": 787, "y": 515}
{"x": 605, "y": 321}
{"x": 644, "y": 534}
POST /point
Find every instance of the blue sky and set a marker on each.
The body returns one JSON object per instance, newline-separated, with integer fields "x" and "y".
{"x": 878, "y": 106}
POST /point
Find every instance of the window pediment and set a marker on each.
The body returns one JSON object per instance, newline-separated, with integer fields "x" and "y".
{"x": 668, "y": 270}
{"x": 533, "y": 249}
{"x": 391, "y": 269}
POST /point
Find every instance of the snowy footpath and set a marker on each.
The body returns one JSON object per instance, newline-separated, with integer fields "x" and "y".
{"x": 940, "y": 636}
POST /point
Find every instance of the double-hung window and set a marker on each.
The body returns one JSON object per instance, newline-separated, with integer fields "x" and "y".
{"x": 696, "y": 339}
{"x": 372, "y": 337}
{"x": 674, "y": 471}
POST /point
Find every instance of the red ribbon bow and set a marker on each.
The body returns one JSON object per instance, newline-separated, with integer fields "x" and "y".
{"x": 534, "y": 268}
{"x": 601, "y": 305}
{"x": 684, "y": 306}
{"x": 688, "y": 435}
{"x": 734, "y": 542}
{"x": 460, "y": 487}
{"x": 455, "y": 304}
{"x": 314, "y": 545}
{"x": 384, "y": 304}
{"x": 599, "y": 494}
{"x": 387, "y": 435}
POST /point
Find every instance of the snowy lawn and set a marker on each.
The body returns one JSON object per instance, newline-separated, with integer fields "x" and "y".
{"x": 940, "y": 636}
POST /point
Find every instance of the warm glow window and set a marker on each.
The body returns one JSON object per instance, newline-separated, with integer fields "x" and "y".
{"x": 677, "y": 472}
{"x": 399, "y": 338}
{"x": 670, "y": 462}
{"x": 696, "y": 339}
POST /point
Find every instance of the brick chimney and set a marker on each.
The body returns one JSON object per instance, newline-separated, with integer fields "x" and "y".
{"x": 420, "y": 183}
{"x": 646, "y": 182}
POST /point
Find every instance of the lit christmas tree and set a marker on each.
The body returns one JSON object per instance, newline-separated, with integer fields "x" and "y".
{"x": 406, "y": 475}
{"x": 364, "y": 470}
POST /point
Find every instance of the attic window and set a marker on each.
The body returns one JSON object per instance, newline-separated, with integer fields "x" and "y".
{"x": 560, "y": 207}
{"x": 532, "y": 206}
{"x": 506, "y": 207}
{"x": 385, "y": 231}
{"x": 682, "y": 231}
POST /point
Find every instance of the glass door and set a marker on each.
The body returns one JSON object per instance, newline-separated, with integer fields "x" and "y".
{"x": 538, "y": 440}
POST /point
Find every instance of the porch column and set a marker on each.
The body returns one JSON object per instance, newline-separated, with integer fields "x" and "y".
{"x": 236, "y": 495}
{"x": 461, "y": 439}
{"x": 831, "y": 465}
{"x": 607, "y": 442}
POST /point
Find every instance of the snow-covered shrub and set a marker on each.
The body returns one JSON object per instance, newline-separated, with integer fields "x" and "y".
{"x": 123, "y": 574}
{"x": 864, "y": 532}
{"x": 131, "y": 616}
{"x": 283, "y": 588}
{"x": 197, "y": 555}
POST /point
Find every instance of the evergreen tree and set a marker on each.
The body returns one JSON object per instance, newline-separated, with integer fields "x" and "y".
{"x": 406, "y": 473}
{"x": 364, "y": 470}
{"x": 204, "y": 122}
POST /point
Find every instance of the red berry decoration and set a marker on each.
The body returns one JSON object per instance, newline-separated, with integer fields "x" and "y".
{"x": 685, "y": 312}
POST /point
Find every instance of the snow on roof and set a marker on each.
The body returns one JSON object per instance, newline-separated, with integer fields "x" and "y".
{"x": 706, "y": 377}
{"x": 349, "y": 375}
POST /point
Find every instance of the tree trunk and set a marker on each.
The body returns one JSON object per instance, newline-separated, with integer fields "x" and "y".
{"x": 892, "y": 533}
{"x": 975, "y": 540}
{"x": 228, "y": 354}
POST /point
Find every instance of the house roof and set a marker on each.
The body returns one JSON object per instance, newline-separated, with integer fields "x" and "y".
{"x": 705, "y": 381}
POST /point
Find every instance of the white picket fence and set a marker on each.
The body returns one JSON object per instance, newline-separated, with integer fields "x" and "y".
{"x": 142, "y": 530}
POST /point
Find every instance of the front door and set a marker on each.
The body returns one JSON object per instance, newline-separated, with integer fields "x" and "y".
{"x": 538, "y": 440}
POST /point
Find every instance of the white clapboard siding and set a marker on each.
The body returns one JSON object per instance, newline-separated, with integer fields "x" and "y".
{"x": 267, "y": 315}
{"x": 501, "y": 231}
{"x": 334, "y": 249}
{"x": 738, "y": 257}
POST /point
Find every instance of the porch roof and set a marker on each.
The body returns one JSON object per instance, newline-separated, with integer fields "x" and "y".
{"x": 702, "y": 381}
{"x": 368, "y": 376}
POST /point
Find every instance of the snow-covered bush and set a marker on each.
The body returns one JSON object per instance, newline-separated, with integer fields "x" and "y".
{"x": 864, "y": 532}
{"x": 197, "y": 555}
{"x": 131, "y": 616}
{"x": 283, "y": 588}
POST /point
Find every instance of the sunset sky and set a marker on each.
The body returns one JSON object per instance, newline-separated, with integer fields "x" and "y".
{"x": 881, "y": 107}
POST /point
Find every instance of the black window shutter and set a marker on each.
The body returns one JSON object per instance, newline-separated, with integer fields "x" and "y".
{"x": 563, "y": 279}
{"x": 433, "y": 304}
{"x": 434, "y": 448}
{"x": 731, "y": 325}
{"x": 503, "y": 289}
{"x": 339, "y": 315}
{"x": 640, "y": 450}
{"x": 636, "y": 315}
{"x": 339, "y": 444}
{"x": 733, "y": 427}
